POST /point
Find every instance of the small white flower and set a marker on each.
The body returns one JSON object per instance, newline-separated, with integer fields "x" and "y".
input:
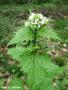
{"x": 41, "y": 16}
{"x": 32, "y": 22}
{"x": 31, "y": 16}
{"x": 47, "y": 20}
{"x": 43, "y": 22}
{"x": 37, "y": 19}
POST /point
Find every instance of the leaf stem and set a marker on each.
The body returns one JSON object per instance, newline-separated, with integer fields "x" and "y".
{"x": 35, "y": 38}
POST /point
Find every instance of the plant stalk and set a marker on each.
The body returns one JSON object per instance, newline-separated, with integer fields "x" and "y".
{"x": 35, "y": 38}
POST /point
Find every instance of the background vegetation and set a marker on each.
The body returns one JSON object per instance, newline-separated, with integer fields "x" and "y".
{"x": 13, "y": 13}
{"x": 32, "y": 1}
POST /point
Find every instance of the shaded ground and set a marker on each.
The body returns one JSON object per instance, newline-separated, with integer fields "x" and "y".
{"x": 12, "y": 17}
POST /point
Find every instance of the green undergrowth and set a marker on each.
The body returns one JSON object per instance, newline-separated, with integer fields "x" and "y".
{"x": 61, "y": 27}
{"x": 9, "y": 23}
{"x": 32, "y": 6}
{"x": 6, "y": 28}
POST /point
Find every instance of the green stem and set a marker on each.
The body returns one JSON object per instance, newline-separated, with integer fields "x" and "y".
{"x": 35, "y": 38}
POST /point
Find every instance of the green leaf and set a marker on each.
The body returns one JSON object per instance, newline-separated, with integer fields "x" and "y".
{"x": 15, "y": 52}
{"x": 23, "y": 34}
{"x": 16, "y": 84}
{"x": 46, "y": 85}
{"x": 50, "y": 34}
{"x": 37, "y": 67}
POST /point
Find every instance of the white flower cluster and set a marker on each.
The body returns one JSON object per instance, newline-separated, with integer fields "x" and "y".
{"x": 36, "y": 19}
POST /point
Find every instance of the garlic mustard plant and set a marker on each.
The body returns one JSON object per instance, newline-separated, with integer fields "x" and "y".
{"x": 31, "y": 52}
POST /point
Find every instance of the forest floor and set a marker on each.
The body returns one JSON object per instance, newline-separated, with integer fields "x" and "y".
{"x": 13, "y": 17}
